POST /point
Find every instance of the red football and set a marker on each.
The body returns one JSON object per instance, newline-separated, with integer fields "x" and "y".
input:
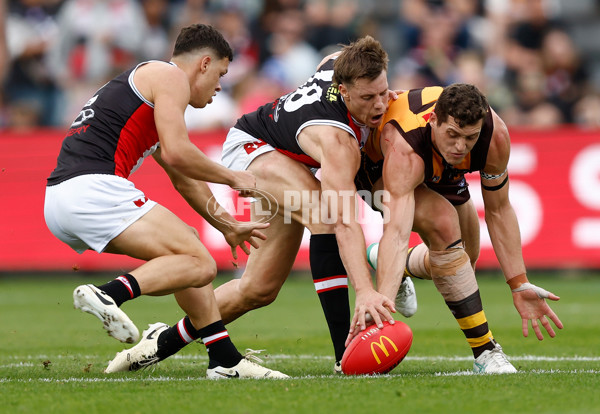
{"x": 377, "y": 351}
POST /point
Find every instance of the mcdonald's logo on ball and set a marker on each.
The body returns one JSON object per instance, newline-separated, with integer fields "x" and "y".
{"x": 377, "y": 351}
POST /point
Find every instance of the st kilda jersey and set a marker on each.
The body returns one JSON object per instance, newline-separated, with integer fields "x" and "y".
{"x": 316, "y": 102}
{"x": 410, "y": 115}
{"x": 112, "y": 134}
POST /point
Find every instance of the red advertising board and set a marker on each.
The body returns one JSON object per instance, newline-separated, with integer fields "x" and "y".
{"x": 554, "y": 187}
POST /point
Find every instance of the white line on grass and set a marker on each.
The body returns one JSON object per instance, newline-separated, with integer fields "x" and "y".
{"x": 533, "y": 371}
{"x": 161, "y": 379}
{"x": 24, "y": 359}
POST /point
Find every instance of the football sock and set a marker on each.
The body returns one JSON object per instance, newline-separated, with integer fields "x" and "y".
{"x": 122, "y": 289}
{"x": 176, "y": 337}
{"x": 331, "y": 283}
{"x": 454, "y": 278}
{"x": 221, "y": 351}
{"x": 472, "y": 321}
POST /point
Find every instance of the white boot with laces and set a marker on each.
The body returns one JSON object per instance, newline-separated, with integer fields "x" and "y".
{"x": 140, "y": 356}
{"x": 92, "y": 300}
{"x": 248, "y": 367}
{"x": 493, "y": 362}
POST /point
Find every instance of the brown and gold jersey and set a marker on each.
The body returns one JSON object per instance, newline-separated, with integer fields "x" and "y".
{"x": 410, "y": 115}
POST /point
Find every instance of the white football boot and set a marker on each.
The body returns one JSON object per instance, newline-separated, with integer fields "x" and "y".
{"x": 246, "y": 368}
{"x": 493, "y": 362}
{"x": 140, "y": 356}
{"x": 337, "y": 368}
{"x": 90, "y": 299}
{"x": 406, "y": 298}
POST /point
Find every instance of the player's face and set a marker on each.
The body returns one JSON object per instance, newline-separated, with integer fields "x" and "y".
{"x": 452, "y": 141}
{"x": 208, "y": 81}
{"x": 367, "y": 100}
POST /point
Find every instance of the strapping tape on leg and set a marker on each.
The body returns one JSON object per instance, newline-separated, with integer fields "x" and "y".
{"x": 452, "y": 273}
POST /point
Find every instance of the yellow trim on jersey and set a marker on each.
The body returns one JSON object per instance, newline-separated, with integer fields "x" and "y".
{"x": 399, "y": 113}
{"x": 472, "y": 321}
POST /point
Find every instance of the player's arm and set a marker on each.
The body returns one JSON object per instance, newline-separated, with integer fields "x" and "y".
{"x": 326, "y": 58}
{"x": 169, "y": 90}
{"x": 200, "y": 197}
{"x": 504, "y": 232}
{"x": 339, "y": 155}
{"x": 403, "y": 171}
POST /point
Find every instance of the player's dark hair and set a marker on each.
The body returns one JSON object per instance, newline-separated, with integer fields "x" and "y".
{"x": 364, "y": 58}
{"x": 464, "y": 102}
{"x": 199, "y": 36}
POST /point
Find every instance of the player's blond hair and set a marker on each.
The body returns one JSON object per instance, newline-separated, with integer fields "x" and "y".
{"x": 364, "y": 58}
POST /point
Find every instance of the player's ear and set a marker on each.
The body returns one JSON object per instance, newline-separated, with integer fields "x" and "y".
{"x": 205, "y": 63}
{"x": 343, "y": 91}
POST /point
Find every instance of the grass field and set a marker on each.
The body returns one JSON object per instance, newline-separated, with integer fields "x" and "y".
{"x": 52, "y": 357}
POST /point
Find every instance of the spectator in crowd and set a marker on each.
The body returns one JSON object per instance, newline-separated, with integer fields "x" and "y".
{"x": 185, "y": 12}
{"x": 3, "y": 47}
{"x": 436, "y": 35}
{"x": 565, "y": 75}
{"x": 157, "y": 34}
{"x": 97, "y": 39}
{"x": 519, "y": 52}
{"x": 587, "y": 111}
{"x": 3, "y": 61}
{"x": 292, "y": 59}
{"x": 331, "y": 22}
{"x": 30, "y": 88}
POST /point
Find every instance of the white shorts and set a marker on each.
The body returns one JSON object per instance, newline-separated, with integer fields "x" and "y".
{"x": 88, "y": 211}
{"x": 241, "y": 148}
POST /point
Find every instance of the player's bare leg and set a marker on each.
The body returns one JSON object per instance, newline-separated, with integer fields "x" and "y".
{"x": 470, "y": 229}
{"x": 297, "y": 192}
{"x": 438, "y": 225}
{"x": 177, "y": 262}
{"x": 266, "y": 270}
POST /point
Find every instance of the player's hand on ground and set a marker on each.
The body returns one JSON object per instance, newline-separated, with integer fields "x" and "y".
{"x": 371, "y": 307}
{"x": 241, "y": 233}
{"x": 530, "y": 301}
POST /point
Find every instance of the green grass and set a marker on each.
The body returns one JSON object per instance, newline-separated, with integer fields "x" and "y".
{"x": 52, "y": 357}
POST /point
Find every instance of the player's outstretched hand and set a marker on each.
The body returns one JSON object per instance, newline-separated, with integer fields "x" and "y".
{"x": 371, "y": 307}
{"x": 530, "y": 301}
{"x": 241, "y": 233}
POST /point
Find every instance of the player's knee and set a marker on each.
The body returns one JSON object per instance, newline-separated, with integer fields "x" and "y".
{"x": 258, "y": 296}
{"x": 441, "y": 228}
{"x": 452, "y": 273}
{"x": 205, "y": 271}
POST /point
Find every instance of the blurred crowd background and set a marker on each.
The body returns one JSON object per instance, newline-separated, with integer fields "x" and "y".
{"x": 538, "y": 61}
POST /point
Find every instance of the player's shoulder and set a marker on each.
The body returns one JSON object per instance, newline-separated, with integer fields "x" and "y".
{"x": 500, "y": 134}
{"x": 499, "y": 149}
{"x": 155, "y": 69}
{"x": 154, "y": 76}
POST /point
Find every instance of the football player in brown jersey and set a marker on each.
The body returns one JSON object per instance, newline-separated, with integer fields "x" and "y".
{"x": 427, "y": 141}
